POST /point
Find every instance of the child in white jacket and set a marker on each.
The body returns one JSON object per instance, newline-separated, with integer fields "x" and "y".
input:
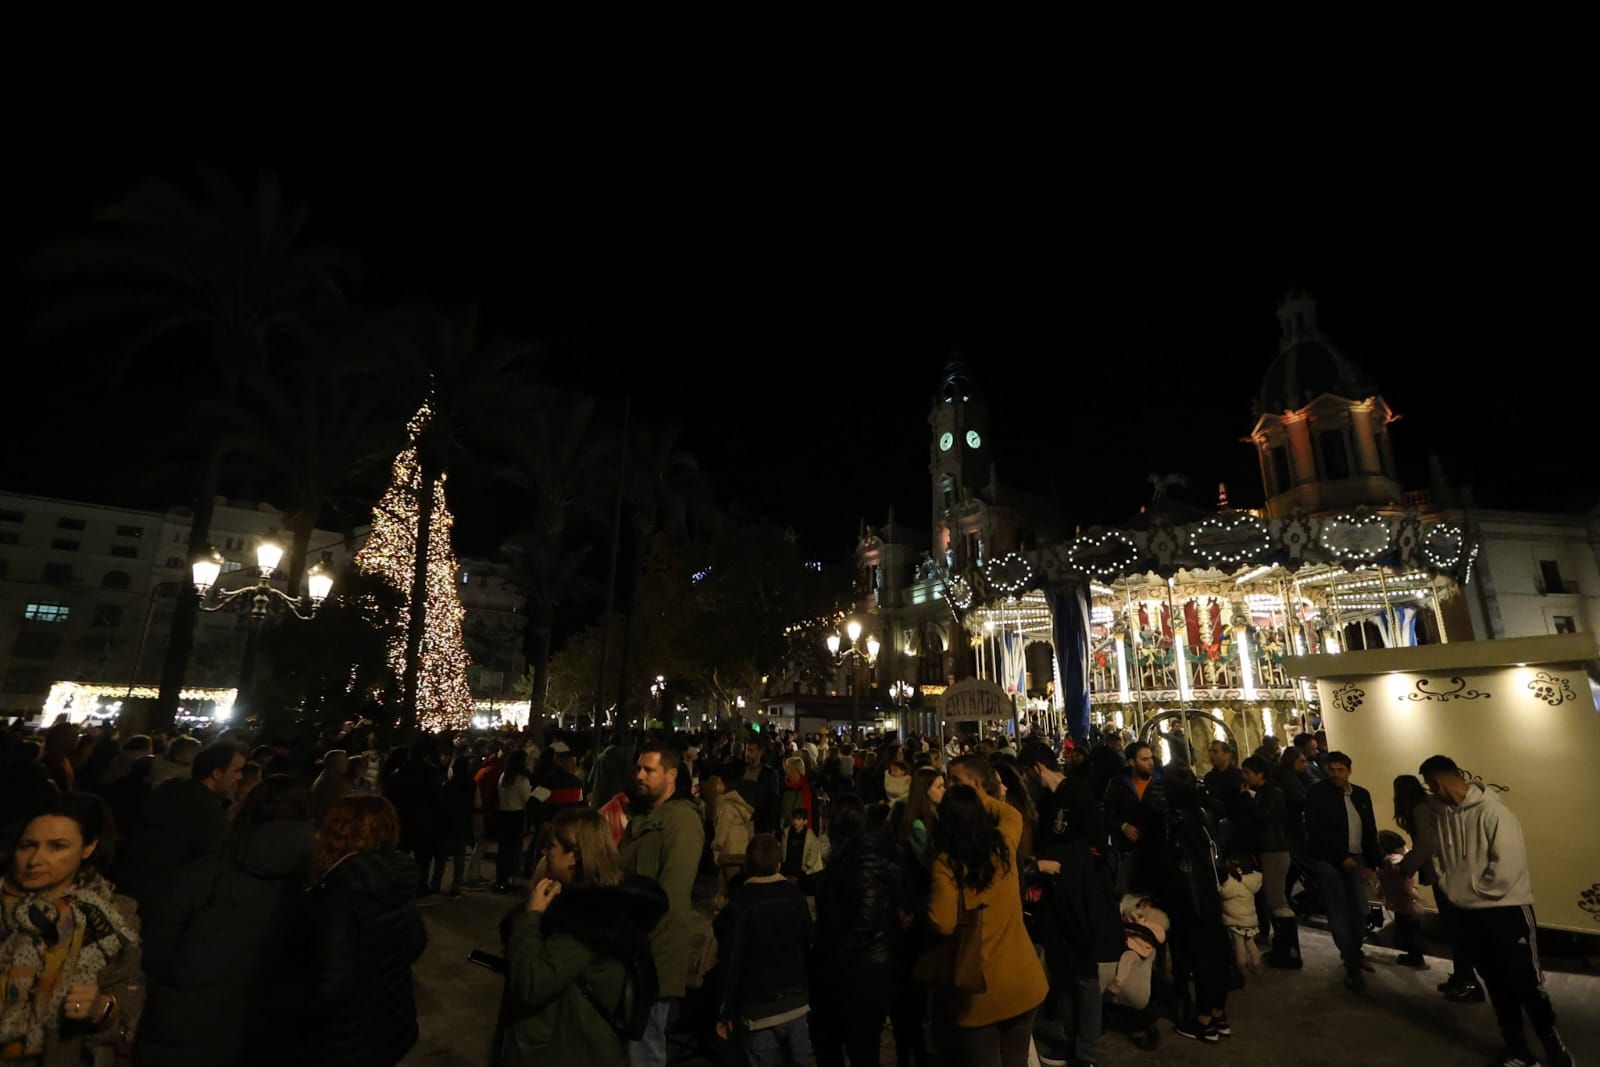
{"x": 1239, "y": 891}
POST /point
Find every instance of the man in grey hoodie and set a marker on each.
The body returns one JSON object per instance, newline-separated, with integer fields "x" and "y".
{"x": 1482, "y": 862}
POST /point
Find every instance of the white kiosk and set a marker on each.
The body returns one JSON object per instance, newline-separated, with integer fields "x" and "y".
{"x": 1521, "y": 715}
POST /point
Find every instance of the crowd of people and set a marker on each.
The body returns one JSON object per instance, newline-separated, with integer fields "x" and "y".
{"x": 208, "y": 900}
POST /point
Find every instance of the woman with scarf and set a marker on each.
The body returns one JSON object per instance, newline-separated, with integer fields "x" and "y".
{"x": 69, "y": 947}
{"x": 796, "y": 791}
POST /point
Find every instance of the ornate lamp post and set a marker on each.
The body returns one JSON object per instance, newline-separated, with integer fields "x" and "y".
{"x": 260, "y": 598}
{"x": 854, "y": 652}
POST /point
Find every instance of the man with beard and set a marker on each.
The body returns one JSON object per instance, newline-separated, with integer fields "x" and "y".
{"x": 662, "y": 843}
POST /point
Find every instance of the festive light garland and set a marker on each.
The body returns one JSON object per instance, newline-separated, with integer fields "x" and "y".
{"x": 1103, "y": 571}
{"x": 444, "y": 700}
{"x": 1227, "y": 530}
{"x": 1438, "y": 559}
{"x": 1009, "y": 561}
{"x": 1330, "y": 532}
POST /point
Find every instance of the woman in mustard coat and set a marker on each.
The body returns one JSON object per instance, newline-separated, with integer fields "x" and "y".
{"x": 976, "y": 839}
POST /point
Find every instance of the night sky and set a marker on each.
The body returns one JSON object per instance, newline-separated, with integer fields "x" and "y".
{"x": 776, "y": 233}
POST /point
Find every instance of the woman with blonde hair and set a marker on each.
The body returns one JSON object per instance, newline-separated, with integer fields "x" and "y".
{"x": 584, "y": 938}
{"x": 365, "y": 933}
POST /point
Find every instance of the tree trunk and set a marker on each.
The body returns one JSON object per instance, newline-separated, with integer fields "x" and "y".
{"x": 628, "y": 619}
{"x": 180, "y": 642}
{"x": 417, "y": 624}
{"x": 301, "y": 524}
{"x": 543, "y": 623}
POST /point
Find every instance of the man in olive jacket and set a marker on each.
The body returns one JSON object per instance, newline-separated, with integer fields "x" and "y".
{"x": 663, "y": 843}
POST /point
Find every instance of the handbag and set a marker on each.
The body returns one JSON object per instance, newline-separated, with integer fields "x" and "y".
{"x": 956, "y": 962}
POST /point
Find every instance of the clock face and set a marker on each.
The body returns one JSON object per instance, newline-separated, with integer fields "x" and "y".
{"x": 946, "y": 440}
{"x": 973, "y": 440}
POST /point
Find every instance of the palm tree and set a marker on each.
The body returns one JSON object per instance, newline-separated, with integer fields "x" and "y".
{"x": 219, "y": 272}
{"x": 311, "y": 437}
{"x": 667, "y": 498}
{"x": 558, "y": 461}
{"x": 475, "y": 390}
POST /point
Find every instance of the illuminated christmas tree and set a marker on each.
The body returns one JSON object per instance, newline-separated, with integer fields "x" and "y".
{"x": 443, "y": 699}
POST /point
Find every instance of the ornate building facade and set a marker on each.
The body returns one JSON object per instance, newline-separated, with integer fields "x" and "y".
{"x": 1177, "y": 622}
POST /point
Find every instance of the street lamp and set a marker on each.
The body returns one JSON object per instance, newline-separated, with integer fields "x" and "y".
{"x": 259, "y": 598}
{"x": 869, "y": 657}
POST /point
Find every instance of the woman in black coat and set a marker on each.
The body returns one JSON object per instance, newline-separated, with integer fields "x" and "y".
{"x": 363, "y": 934}
{"x": 858, "y": 938}
{"x": 215, "y": 945}
{"x": 1189, "y": 892}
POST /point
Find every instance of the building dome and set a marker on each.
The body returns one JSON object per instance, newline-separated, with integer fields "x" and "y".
{"x": 956, "y": 385}
{"x": 1308, "y": 365}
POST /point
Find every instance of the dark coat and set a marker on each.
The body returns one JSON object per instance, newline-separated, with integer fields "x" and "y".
{"x": 1082, "y": 927}
{"x": 859, "y": 899}
{"x": 1265, "y": 819}
{"x": 1328, "y": 824}
{"x": 584, "y": 936}
{"x": 1293, "y": 788}
{"x": 1188, "y": 871}
{"x": 364, "y": 933}
{"x": 1123, "y": 805}
{"x": 414, "y": 790}
{"x": 183, "y": 821}
{"x": 453, "y": 810}
{"x": 214, "y": 950}
{"x": 763, "y": 791}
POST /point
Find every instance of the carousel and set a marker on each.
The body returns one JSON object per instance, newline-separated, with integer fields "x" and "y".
{"x": 1179, "y": 631}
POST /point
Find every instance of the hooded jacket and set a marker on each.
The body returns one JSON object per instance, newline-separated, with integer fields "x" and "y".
{"x": 664, "y": 846}
{"x": 214, "y": 951}
{"x": 1482, "y": 856}
{"x": 583, "y": 937}
{"x": 364, "y": 934}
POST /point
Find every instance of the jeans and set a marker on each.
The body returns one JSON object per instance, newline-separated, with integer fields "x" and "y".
{"x": 785, "y": 1045}
{"x": 1344, "y": 895}
{"x": 508, "y": 834}
{"x": 1001, "y": 1044}
{"x": 1275, "y": 883}
{"x": 651, "y": 1050}
{"x": 1075, "y": 996}
{"x": 456, "y": 853}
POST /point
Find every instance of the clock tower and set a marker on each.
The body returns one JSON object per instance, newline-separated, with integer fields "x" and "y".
{"x": 960, "y": 465}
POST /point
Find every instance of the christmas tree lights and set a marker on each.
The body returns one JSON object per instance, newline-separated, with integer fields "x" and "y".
{"x": 443, "y": 698}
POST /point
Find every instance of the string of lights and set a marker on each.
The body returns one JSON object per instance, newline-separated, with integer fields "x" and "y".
{"x": 444, "y": 700}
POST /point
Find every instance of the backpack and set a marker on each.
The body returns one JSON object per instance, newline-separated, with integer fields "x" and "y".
{"x": 630, "y": 1015}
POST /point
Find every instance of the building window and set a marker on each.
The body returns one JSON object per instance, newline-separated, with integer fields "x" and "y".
{"x": 125, "y": 551}
{"x": 1551, "y": 576}
{"x": 130, "y": 531}
{"x": 231, "y": 565}
{"x": 327, "y": 557}
{"x": 115, "y": 580}
{"x": 8, "y": 515}
{"x": 1335, "y": 455}
{"x": 1564, "y": 624}
{"x": 108, "y": 615}
{"x": 47, "y": 612}
{"x": 175, "y": 562}
{"x": 63, "y": 544}
{"x": 58, "y": 573}
{"x": 70, "y": 524}
{"x": 1281, "y": 482}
